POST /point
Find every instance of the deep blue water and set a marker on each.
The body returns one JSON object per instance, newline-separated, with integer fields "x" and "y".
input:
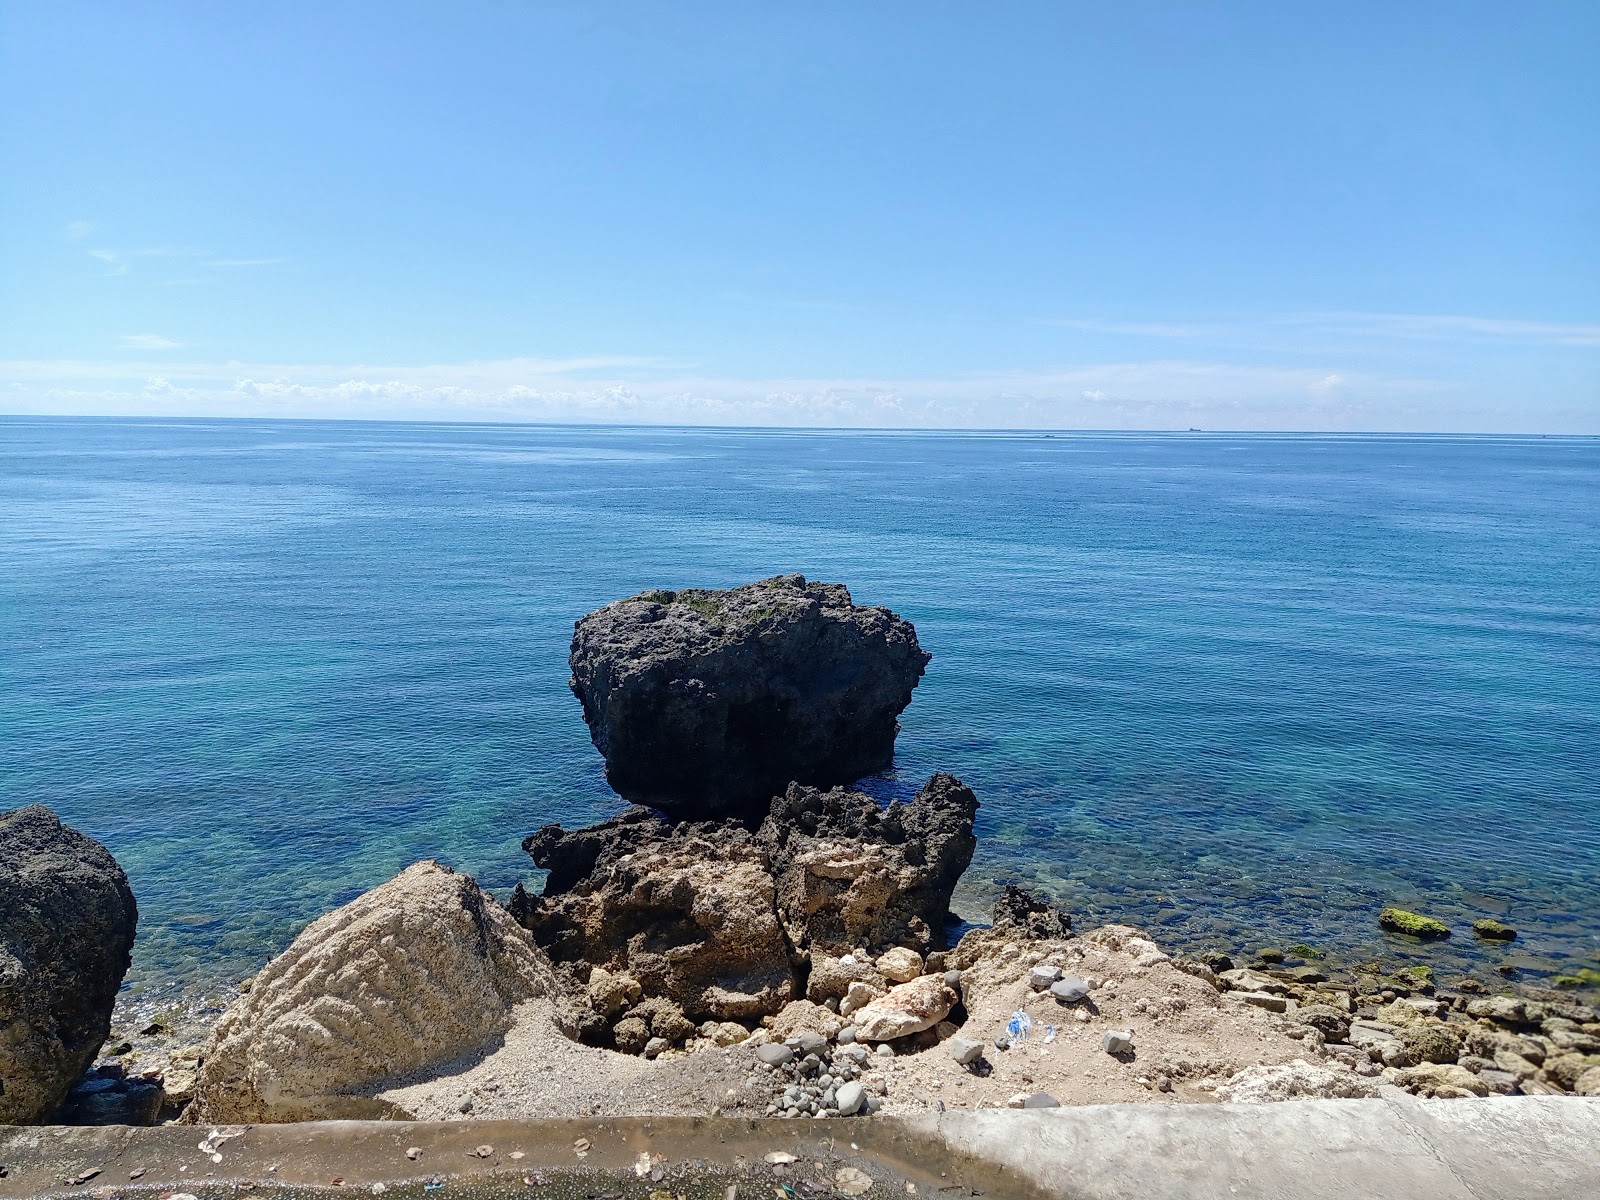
{"x": 1246, "y": 689}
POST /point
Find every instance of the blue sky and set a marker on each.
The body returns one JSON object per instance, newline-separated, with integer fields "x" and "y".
{"x": 1142, "y": 215}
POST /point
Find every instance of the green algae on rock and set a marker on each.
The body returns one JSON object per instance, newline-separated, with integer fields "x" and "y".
{"x": 1494, "y": 931}
{"x": 1399, "y": 920}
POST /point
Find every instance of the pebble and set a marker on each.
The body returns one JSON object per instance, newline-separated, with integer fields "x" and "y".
{"x": 952, "y": 980}
{"x": 812, "y": 1042}
{"x": 846, "y": 1036}
{"x": 1041, "y": 977}
{"x": 1002, "y": 1042}
{"x": 885, "y": 1050}
{"x": 465, "y": 1105}
{"x": 1070, "y": 990}
{"x": 849, "y": 1098}
{"x": 773, "y": 1054}
{"x": 654, "y": 1047}
{"x": 964, "y": 1050}
{"x": 1041, "y": 1100}
{"x": 857, "y": 1054}
{"x": 1116, "y": 1041}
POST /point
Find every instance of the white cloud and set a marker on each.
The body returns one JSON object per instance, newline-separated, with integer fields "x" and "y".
{"x": 1298, "y": 327}
{"x": 76, "y": 231}
{"x": 1132, "y": 395}
{"x": 115, "y": 263}
{"x": 147, "y": 341}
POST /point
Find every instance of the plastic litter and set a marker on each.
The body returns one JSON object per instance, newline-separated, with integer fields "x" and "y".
{"x": 1019, "y": 1025}
{"x": 1049, "y": 1034}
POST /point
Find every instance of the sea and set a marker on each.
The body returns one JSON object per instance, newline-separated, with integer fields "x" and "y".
{"x": 1242, "y": 690}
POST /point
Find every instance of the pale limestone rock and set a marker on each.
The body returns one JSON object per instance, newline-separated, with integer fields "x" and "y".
{"x": 907, "y": 1009}
{"x": 900, "y": 964}
{"x": 1298, "y": 1080}
{"x": 414, "y": 974}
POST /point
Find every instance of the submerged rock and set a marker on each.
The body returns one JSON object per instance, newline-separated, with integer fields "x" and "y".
{"x": 1024, "y": 914}
{"x": 1399, "y": 920}
{"x": 853, "y": 873}
{"x": 709, "y": 703}
{"x": 412, "y": 975}
{"x": 67, "y": 920}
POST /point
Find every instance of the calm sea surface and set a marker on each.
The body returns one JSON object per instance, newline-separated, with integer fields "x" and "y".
{"x": 1244, "y": 689}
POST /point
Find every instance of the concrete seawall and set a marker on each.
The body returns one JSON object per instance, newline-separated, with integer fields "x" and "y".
{"x": 1537, "y": 1148}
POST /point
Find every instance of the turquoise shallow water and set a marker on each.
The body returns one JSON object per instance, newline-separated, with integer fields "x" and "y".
{"x": 1240, "y": 688}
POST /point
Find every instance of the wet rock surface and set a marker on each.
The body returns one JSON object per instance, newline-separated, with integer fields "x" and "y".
{"x": 67, "y": 921}
{"x": 709, "y": 703}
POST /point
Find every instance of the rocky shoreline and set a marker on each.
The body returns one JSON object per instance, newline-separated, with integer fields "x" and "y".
{"x": 778, "y": 950}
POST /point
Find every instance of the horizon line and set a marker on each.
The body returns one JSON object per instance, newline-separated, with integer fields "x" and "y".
{"x": 954, "y": 431}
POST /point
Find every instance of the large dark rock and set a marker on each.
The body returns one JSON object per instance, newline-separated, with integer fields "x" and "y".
{"x": 67, "y": 919}
{"x": 854, "y": 873}
{"x": 709, "y": 703}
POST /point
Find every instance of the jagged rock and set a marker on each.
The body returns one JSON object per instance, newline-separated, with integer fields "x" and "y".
{"x": 686, "y": 910}
{"x": 1588, "y": 1084}
{"x": 1023, "y": 914}
{"x": 1298, "y": 1080}
{"x": 67, "y": 919}
{"x": 831, "y": 977}
{"x": 859, "y": 995}
{"x": 803, "y": 1017}
{"x": 708, "y": 703}
{"x": 416, "y": 973}
{"x": 1441, "y": 1080}
{"x": 852, "y": 873}
{"x": 1325, "y": 1019}
{"x": 907, "y": 1009}
{"x": 1432, "y": 1043}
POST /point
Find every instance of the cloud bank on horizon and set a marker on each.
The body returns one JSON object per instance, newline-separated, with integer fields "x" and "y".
{"x": 1054, "y": 216}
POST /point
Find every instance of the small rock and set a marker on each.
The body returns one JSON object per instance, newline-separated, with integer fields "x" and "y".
{"x": 900, "y": 964}
{"x": 964, "y": 1050}
{"x": 846, "y": 1036}
{"x": 775, "y": 1054}
{"x": 1041, "y": 1100}
{"x": 857, "y": 995}
{"x": 1018, "y": 1100}
{"x": 654, "y": 1047}
{"x": 811, "y": 1042}
{"x": 1002, "y": 1042}
{"x": 1070, "y": 990}
{"x": 848, "y": 1097}
{"x": 952, "y": 980}
{"x": 1041, "y": 977}
{"x": 414, "y": 1153}
{"x": 464, "y": 1105}
{"x": 1271, "y": 1003}
{"x": 1399, "y": 920}
{"x": 885, "y": 1050}
{"x": 1494, "y": 931}
{"x": 851, "y": 1181}
{"x": 1116, "y": 1041}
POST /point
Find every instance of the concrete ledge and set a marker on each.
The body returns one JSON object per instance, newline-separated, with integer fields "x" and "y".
{"x": 1502, "y": 1148}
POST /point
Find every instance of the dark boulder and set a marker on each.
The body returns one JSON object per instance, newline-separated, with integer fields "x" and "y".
{"x": 708, "y": 703}
{"x": 67, "y": 919}
{"x": 854, "y": 873}
{"x": 1025, "y": 914}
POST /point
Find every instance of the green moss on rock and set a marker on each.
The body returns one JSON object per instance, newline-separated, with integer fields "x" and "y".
{"x": 1494, "y": 931}
{"x": 1399, "y": 920}
{"x": 1583, "y": 977}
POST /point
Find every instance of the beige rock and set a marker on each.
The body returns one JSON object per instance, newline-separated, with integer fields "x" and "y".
{"x": 1588, "y": 1083}
{"x": 858, "y": 995}
{"x": 802, "y": 1016}
{"x": 900, "y": 964}
{"x": 724, "y": 1033}
{"x": 611, "y": 992}
{"x": 1442, "y": 1080}
{"x": 831, "y": 977}
{"x": 412, "y": 975}
{"x": 1298, "y": 1080}
{"x": 907, "y": 1009}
